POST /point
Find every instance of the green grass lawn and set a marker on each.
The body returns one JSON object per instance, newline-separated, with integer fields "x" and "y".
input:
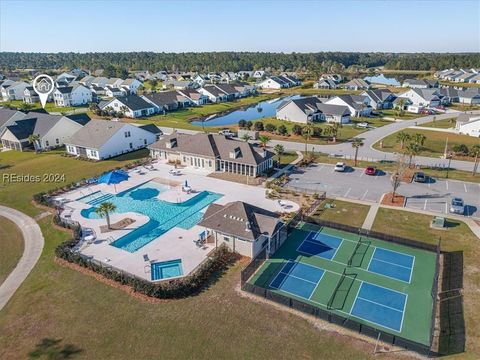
{"x": 458, "y": 237}
{"x": 441, "y": 124}
{"x": 19, "y": 195}
{"x": 50, "y": 107}
{"x": 434, "y": 145}
{"x": 286, "y": 158}
{"x": 394, "y": 114}
{"x": 342, "y": 212}
{"x": 391, "y": 166}
{"x": 11, "y": 247}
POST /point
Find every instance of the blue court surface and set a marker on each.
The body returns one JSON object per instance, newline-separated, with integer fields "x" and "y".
{"x": 322, "y": 245}
{"x": 297, "y": 279}
{"x": 392, "y": 264}
{"x": 380, "y": 306}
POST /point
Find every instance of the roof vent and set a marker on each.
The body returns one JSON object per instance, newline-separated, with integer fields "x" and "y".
{"x": 171, "y": 143}
{"x": 247, "y": 226}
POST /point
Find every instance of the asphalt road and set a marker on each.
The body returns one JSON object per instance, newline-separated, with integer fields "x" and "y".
{"x": 354, "y": 184}
{"x": 372, "y": 136}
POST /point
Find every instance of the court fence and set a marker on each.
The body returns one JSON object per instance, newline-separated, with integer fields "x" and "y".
{"x": 335, "y": 318}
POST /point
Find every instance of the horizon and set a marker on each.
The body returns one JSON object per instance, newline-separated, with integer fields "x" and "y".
{"x": 236, "y": 26}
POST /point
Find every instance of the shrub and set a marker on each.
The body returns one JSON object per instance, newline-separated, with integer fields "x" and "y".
{"x": 297, "y": 129}
{"x": 317, "y": 131}
{"x": 258, "y": 126}
{"x": 460, "y": 149}
{"x": 270, "y": 127}
{"x": 282, "y": 130}
{"x": 249, "y": 124}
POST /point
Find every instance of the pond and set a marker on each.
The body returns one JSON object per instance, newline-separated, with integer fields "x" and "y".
{"x": 258, "y": 111}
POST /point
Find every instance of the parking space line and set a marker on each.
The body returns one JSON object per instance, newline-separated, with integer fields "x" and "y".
{"x": 425, "y": 205}
{"x": 348, "y": 191}
{"x": 366, "y": 192}
{"x": 362, "y": 173}
{"x": 446, "y": 183}
{"x": 446, "y": 207}
{"x": 465, "y": 186}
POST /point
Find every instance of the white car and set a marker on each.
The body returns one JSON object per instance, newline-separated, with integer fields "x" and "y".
{"x": 226, "y": 132}
{"x": 457, "y": 206}
{"x": 363, "y": 125}
{"x": 339, "y": 166}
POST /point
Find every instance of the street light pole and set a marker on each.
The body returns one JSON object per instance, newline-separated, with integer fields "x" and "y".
{"x": 449, "y": 156}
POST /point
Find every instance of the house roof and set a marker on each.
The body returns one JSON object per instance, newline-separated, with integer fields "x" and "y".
{"x": 215, "y": 91}
{"x": 191, "y": 93}
{"x": 358, "y": 82}
{"x": 163, "y": 98}
{"x": 227, "y": 88}
{"x": 331, "y": 109}
{"x": 7, "y": 114}
{"x": 469, "y": 93}
{"x": 213, "y": 146}
{"x": 415, "y": 82}
{"x": 466, "y": 117}
{"x": 241, "y": 220}
{"x": 133, "y": 102}
{"x": 128, "y": 82}
{"x": 354, "y": 101}
{"x": 96, "y": 133}
{"x": 378, "y": 95}
{"x": 151, "y": 128}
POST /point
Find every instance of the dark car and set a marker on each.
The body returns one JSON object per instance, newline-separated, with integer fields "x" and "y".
{"x": 371, "y": 170}
{"x": 419, "y": 177}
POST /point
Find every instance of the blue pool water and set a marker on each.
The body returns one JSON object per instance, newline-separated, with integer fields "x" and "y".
{"x": 163, "y": 215}
{"x": 166, "y": 269}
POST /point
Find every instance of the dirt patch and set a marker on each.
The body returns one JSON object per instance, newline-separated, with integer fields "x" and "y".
{"x": 119, "y": 225}
{"x": 388, "y": 199}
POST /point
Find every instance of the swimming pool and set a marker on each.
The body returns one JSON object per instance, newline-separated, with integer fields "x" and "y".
{"x": 163, "y": 215}
{"x": 166, "y": 269}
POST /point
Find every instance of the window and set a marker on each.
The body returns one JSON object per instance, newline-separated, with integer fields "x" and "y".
{"x": 131, "y": 146}
{"x": 145, "y": 141}
{"x": 226, "y": 238}
{"x": 57, "y": 141}
{"x": 127, "y": 134}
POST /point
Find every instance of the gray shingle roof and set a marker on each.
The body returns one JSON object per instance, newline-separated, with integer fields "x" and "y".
{"x": 134, "y": 102}
{"x": 96, "y": 133}
{"x": 241, "y": 220}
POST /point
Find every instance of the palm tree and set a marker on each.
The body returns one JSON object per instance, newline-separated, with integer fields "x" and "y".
{"x": 34, "y": 139}
{"x": 419, "y": 139}
{"x": 400, "y": 105}
{"x": 475, "y": 152}
{"x": 412, "y": 149}
{"x": 333, "y": 131}
{"x": 279, "y": 150}
{"x": 264, "y": 139}
{"x": 307, "y": 132}
{"x": 104, "y": 210}
{"x": 356, "y": 143}
{"x": 247, "y": 137}
{"x": 402, "y": 138}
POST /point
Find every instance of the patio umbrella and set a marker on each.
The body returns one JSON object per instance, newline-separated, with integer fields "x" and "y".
{"x": 113, "y": 177}
{"x": 186, "y": 184}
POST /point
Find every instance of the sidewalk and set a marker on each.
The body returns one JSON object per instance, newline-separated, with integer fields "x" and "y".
{"x": 280, "y": 172}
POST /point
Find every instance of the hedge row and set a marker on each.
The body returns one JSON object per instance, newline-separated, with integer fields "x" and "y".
{"x": 220, "y": 259}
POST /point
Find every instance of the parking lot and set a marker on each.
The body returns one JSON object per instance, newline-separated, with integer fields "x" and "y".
{"x": 435, "y": 195}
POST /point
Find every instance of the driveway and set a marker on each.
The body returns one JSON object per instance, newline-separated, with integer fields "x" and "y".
{"x": 372, "y": 136}
{"x": 33, "y": 246}
{"x": 354, "y": 184}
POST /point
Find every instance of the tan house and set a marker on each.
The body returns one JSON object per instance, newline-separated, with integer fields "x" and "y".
{"x": 244, "y": 228}
{"x": 213, "y": 152}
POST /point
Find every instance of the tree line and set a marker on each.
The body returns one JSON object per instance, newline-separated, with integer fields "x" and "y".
{"x": 236, "y": 61}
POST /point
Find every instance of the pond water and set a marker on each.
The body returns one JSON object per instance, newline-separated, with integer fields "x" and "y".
{"x": 258, "y": 111}
{"x": 382, "y": 80}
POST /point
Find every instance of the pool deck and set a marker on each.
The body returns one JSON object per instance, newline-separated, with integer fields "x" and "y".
{"x": 177, "y": 243}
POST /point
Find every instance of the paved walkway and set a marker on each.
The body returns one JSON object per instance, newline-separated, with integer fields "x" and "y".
{"x": 284, "y": 170}
{"x": 33, "y": 246}
{"x": 370, "y": 218}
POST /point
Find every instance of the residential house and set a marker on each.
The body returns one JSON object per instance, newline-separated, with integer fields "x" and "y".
{"x": 52, "y": 131}
{"x": 64, "y": 79}
{"x": 357, "y": 84}
{"x": 100, "y": 82}
{"x": 115, "y": 92}
{"x": 229, "y": 90}
{"x": 475, "y": 79}
{"x": 213, "y": 152}
{"x": 468, "y": 124}
{"x": 214, "y": 93}
{"x": 337, "y": 78}
{"x": 131, "y": 86}
{"x": 470, "y": 96}
{"x": 179, "y": 84}
{"x": 30, "y": 96}
{"x": 131, "y": 106}
{"x": 244, "y": 228}
{"x": 194, "y": 96}
{"x": 260, "y": 74}
{"x": 380, "y": 98}
{"x": 465, "y": 77}
{"x": 167, "y": 100}
{"x": 87, "y": 80}
{"x": 423, "y": 97}
{"x": 103, "y": 139}
{"x": 325, "y": 84}
{"x": 75, "y": 95}
{"x": 311, "y": 109}
{"x": 244, "y": 89}
{"x": 97, "y": 91}
{"x": 415, "y": 84}
{"x": 448, "y": 95}
{"x": 358, "y": 105}
{"x": 114, "y": 82}
{"x": 13, "y": 90}
{"x": 8, "y": 117}
{"x": 201, "y": 79}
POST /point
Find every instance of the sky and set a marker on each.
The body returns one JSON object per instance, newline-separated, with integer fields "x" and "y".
{"x": 222, "y": 25}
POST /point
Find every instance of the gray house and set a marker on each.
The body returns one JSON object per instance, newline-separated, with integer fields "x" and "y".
{"x": 311, "y": 109}
{"x": 380, "y": 98}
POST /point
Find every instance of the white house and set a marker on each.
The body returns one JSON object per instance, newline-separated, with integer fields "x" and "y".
{"x": 470, "y": 96}
{"x": 214, "y": 93}
{"x": 325, "y": 84}
{"x": 274, "y": 82}
{"x": 13, "y": 91}
{"x": 131, "y": 86}
{"x": 52, "y": 131}
{"x": 468, "y": 124}
{"x": 114, "y": 92}
{"x": 423, "y": 97}
{"x": 100, "y": 82}
{"x": 114, "y": 82}
{"x": 132, "y": 106}
{"x": 311, "y": 109}
{"x": 357, "y": 105}
{"x": 103, "y": 139}
{"x": 75, "y": 95}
